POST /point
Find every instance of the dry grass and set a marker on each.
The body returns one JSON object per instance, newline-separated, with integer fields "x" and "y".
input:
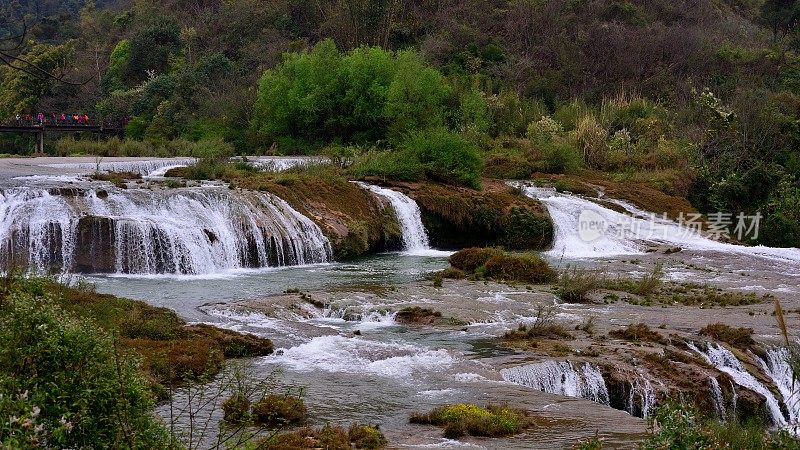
{"x": 638, "y": 332}
{"x": 737, "y": 337}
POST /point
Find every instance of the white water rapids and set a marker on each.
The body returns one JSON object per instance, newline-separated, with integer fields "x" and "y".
{"x": 585, "y": 229}
{"x": 142, "y": 231}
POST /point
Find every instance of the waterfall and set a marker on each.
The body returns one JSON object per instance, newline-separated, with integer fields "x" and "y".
{"x": 142, "y": 231}
{"x": 725, "y": 361}
{"x": 415, "y": 238}
{"x": 717, "y": 398}
{"x": 145, "y": 168}
{"x": 585, "y": 229}
{"x": 778, "y": 368}
{"x": 560, "y": 378}
{"x": 642, "y": 389}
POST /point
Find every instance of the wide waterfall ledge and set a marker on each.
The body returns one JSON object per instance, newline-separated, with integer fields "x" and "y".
{"x": 141, "y": 231}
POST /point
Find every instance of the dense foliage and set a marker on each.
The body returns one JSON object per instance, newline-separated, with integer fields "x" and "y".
{"x": 64, "y": 383}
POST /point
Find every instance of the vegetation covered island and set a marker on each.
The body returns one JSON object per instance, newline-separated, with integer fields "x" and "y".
{"x": 374, "y": 224}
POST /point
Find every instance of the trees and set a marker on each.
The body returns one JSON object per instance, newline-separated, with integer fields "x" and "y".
{"x": 22, "y": 89}
{"x": 368, "y": 94}
{"x": 781, "y": 16}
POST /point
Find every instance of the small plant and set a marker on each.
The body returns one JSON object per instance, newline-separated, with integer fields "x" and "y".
{"x": 737, "y": 337}
{"x": 467, "y": 419}
{"x": 587, "y": 326}
{"x": 236, "y": 409}
{"x": 575, "y": 284}
{"x": 544, "y": 326}
{"x": 279, "y": 410}
{"x": 649, "y": 284}
{"x": 638, "y": 332}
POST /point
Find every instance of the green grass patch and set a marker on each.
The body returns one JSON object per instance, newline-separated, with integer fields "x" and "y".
{"x": 467, "y": 419}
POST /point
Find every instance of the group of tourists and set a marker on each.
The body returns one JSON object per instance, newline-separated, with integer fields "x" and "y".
{"x": 53, "y": 119}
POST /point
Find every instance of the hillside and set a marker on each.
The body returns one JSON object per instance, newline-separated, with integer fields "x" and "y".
{"x": 698, "y": 99}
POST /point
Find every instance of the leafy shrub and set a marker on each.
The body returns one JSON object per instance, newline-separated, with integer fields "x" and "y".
{"x": 544, "y": 131}
{"x": 279, "y": 410}
{"x": 523, "y": 229}
{"x": 559, "y": 157}
{"x": 392, "y": 165}
{"x": 469, "y": 259}
{"x": 366, "y": 437}
{"x": 65, "y": 382}
{"x": 462, "y": 419}
{"x": 236, "y": 409}
{"x": 526, "y": 268}
{"x": 446, "y": 156}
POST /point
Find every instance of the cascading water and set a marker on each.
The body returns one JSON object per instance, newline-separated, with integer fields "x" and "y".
{"x": 140, "y": 231}
{"x": 717, "y": 398}
{"x": 585, "y": 229}
{"x": 145, "y": 168}
{"x": 725, "y": 361}
{"x": 562, "y": 378}
{"x": 777, "y": 367}
{"x": 642, "y": 390}
{"x": 415, "y": 238}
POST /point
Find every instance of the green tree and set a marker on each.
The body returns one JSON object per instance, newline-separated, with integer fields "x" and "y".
{"x": 20, "y": 90}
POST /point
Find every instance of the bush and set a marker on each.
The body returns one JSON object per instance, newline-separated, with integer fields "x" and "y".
{"x": 469, "y": 259}
{"x": 67, "y": 382}
{"x": 279, "y": 410}
{"x": 575, "y": 284}
{"x": 559, "y": 157}
{"x": 638, "y": 332}
{"x": 462, "y": 419}
{"x": 366, "y": 437}
{"x": 590, "y": 138}
{"x": 392, "y": 165}
{"x": 328, "y": 437}
{"x": 738, "y": 337}
{"x": 446, "y": 156}
{"x": 236, "y": 409}
{"x": 526, "y": 268}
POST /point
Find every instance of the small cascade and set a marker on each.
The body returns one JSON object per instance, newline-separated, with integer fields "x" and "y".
{"x": 562, "y": 378}
{"x": 415, "y": 238}
{"x": 725, "y": 361}
{"x": 641, "y": 397}
{"x": 140, "y": 231}
{"x": 369, "y": 317}
{"x": 717, "y": 398}
{"x": 145, "y": 168}
{"x": 585, "y": 229}
{"x": 777, "y": 367}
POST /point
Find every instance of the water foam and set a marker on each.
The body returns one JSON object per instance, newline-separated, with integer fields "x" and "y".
{"x": 360, "y": 356}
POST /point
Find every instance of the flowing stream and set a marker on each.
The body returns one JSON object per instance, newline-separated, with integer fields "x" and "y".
{"x": 162, "y": 231}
